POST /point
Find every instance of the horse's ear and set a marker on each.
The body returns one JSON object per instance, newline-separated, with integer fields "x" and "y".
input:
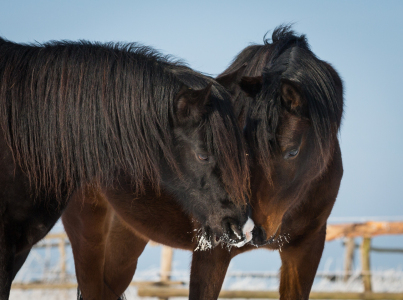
{"x": 231, "y": 80}
{"x": 251, "y": 85}
{"x": 191, "y": 104}
{"x": 292, "y": 96}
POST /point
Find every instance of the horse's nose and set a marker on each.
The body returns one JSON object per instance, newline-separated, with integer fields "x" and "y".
{"x": 259, "y": 236}
{"x": 237, "y": 231}
{"x": 240, "y": 235}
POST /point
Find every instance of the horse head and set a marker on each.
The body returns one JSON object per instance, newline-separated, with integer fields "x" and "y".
{"x": 213, "y": 181}
{"x": 291, "y": 110}
{"x": 292, "y": 129}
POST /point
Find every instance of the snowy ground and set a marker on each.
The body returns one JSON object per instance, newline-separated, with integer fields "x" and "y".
{"x": 382, "y": 281}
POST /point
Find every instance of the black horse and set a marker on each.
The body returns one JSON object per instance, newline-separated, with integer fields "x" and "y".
{"x": 115, "y": 118}
{"x": 290, "y": 103}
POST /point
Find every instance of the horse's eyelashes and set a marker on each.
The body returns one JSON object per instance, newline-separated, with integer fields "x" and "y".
{"x": 203, "y": 157}
{"x": 291, "y": 153}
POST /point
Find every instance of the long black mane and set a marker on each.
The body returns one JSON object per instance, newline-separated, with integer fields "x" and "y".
{"x": 287, "y": 57}
{"x": 75, "y": 113}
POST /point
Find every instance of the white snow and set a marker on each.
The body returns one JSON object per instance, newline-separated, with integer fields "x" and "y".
{"x": 203, "y": 243}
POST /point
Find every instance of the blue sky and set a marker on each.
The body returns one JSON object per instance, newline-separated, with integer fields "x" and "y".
{"x": 363, "y": 40}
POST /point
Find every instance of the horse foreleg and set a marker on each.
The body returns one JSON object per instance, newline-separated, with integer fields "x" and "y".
{"x": 300, "y": 261}
{"x": 207, "y": 273}
{"x": 86, "y": 222}
{"x": 123, "y": 249}
{"x": 19, "y": 260}
{"x": 7, "y": 252}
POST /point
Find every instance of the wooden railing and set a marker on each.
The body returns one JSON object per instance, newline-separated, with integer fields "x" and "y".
{"x": 348, "y": 231}
{"x": 165, "y": 288}
{"x": 367, "y": 231}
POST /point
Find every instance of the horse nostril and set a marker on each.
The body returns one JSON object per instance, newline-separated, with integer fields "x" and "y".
{"x": 236, "y": 231}
{"x": 215, "y": 240}
{"x": 226, "y": 203}
{"x": 259, "y": 236}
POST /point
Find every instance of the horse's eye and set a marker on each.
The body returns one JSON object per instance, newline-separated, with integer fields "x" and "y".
{"x": 292, "y": 153}
{"x": 202, "y": 157}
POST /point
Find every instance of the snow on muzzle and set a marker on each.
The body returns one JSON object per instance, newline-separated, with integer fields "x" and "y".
{"x": 235, "y": 236}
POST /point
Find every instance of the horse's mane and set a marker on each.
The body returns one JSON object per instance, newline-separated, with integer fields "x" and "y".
{"x": 75, "y": 113}
{"x": 287, "y": 56}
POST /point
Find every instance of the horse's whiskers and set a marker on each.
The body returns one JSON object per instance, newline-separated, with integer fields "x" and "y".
{"x": 203, "y": 243}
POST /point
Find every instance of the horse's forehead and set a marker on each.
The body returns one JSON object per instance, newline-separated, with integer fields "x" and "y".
{"x": 291, "y": 129}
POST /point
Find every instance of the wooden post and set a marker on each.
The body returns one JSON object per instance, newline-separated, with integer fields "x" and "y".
{"x": 166, "y": 265}
{"x": 62, "y": 250}
{"x": 365, "y": 263}
{"x": 349, "y": 257}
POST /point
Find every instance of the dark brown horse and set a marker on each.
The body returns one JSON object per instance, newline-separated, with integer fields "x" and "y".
{"x": 291, "y": 104}
{"x": 121, "y": 119}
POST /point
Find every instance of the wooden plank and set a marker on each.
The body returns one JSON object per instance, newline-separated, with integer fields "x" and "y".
{"x": 180, "y": 292}
{"x": 368, "y": 229}
{"x": 387, "y": 250}
{"x": 148, "y": 289}
{"x": 384, "y": 250}
{"x": 43, "y": 244}
{"x": 157, "y": 283}
{"x": 44, "y": 286}
{"x": 72, "y": 285}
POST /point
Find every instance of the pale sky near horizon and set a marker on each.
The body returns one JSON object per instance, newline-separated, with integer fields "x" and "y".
{"x": 363, "y": 40}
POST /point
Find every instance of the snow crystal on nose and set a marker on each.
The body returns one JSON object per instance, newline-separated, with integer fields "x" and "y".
{"x": 203, "y": 243}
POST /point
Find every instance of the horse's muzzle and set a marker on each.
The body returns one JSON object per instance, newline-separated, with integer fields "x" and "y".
{"x": 260, "y": 237}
